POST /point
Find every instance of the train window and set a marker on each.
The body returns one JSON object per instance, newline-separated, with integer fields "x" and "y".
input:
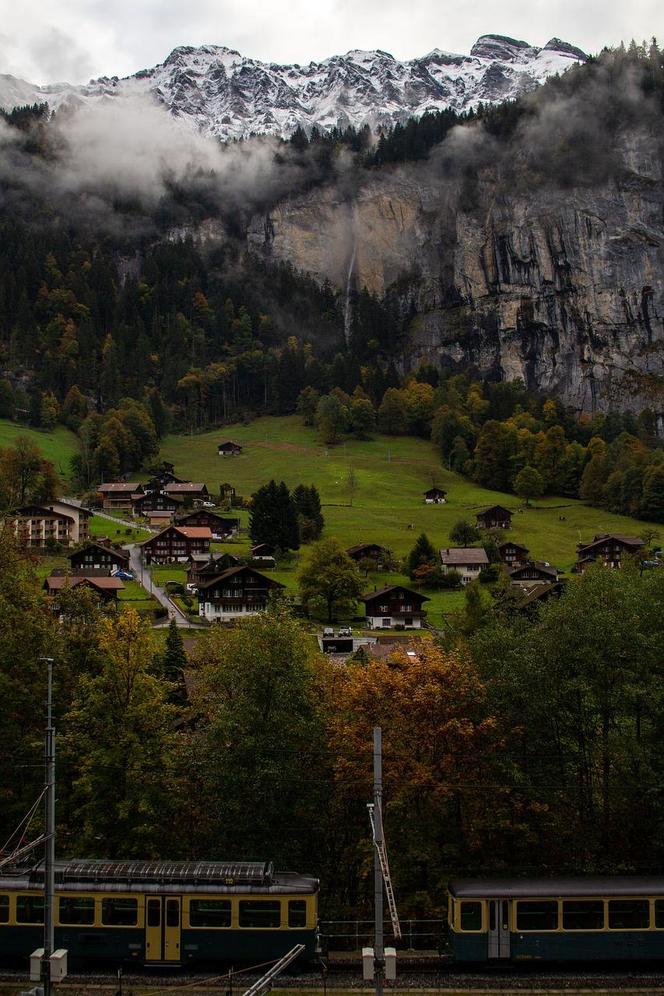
{"x": 154, "y": 913}
{"x": 297, "y": 913}
{"x": 254, "y": 913}
{"x": 659, "y": 913}
{"x": 4, "y": 909}
{"x": 471, "y": 916}
{"x": 583, "y": 914}
{"x": 77, "y": 909}
{"x": 29, "y": 909}
{"x": 210, "y": 913}
{"x": 119, "y": 912}
{"x": 172, "y": 912}
{"x": 629, "y": 914}
{"x": 540, "y": 915}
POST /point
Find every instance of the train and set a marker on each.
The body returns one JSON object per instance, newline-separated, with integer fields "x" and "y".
{"x": 165, "y": 913}
{"x": 171, "y": 913}
{"x": 553, "y": 920}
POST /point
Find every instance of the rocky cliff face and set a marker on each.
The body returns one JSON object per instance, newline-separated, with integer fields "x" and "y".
{"x": 563, "y": 288}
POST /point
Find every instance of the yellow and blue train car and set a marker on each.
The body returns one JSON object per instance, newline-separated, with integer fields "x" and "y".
{"x": 162, "y": 912}
{"x": 584, "y": 919}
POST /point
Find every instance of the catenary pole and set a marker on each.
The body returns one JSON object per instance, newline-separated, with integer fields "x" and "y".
{"x": 379, "y": 955}
{"x": 49, "y": 849}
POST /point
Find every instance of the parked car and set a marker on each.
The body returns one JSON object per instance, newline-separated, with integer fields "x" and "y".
{"x": 328, "y": 631}
{"x": 124, "y": 575}
{"x": 191, "y": 586}
{"x": 345, "y": 631}
{"x": 209, "y": 504}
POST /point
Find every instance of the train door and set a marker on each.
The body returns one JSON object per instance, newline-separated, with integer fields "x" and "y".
{"x": 499, "y": 928}
{"x": 162, "y": 928}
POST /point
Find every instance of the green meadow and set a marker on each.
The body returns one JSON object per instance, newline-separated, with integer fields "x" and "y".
{"x": 59, "y": 445}
{"x": 391, "y": 475}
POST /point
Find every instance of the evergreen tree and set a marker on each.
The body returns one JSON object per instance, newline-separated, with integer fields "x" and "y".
{"x": 174, "y": 662}
{"x": 422, "y": 554}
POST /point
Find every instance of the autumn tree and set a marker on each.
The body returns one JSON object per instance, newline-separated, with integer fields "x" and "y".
{"x": 25, "y": 474}
{"x": 439, "y": 746}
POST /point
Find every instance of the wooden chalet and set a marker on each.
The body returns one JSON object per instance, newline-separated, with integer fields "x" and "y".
{"x": 220, "y": 526}
{"x": 537, "y": 595}
{"x": 203, "y": 566}
{"x": 237, "y": 593}
{"x": 156, "y": 501}
{"x": 512, "y": 554}
{"x": 393, "y": 606}
{"x": 106, "y": 588}
{"x": 176, "y": 544}
{"x": 608, "y": 549}
{"x": 367, "y": 551}
{"x": 467, "y": 561}
{"x": 496, "y": 517}
{"x": 262, "y": 551}
{"x": 229, "y": 448}
{"x": 533, "y": 571}
{"x": 188, "y": 490}
{"x": 435, "y": 496}
{"x": 164, "y": 475}
{"x": 98, "y": 558}
{"x": 119, "y": 494}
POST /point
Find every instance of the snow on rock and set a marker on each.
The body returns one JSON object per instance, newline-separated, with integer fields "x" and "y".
{"x": 226, "y": 95}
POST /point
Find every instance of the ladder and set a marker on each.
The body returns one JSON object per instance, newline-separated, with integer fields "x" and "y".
{"x": 385, "y": 868}
{"x": 266, "y": 980}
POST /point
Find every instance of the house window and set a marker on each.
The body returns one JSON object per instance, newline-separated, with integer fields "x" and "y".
{"x": 387, "y": 623}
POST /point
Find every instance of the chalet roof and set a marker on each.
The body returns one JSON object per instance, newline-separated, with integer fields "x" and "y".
{"x": 117, "y": 551}
{"x": 57, "y": 582}
{"x": 539, "y": 565}
{"x": 232, "y": 571}
{"x": 119, "y": 486}
{"x": 183, "y": 488}
{"x": 182, "y": 518}
{"x": 230, "y": 442}
{"x": 393, "y": 587}
{"x": 363, "y": 546}
{"x": 633, "y": 541}
{"x": 189, "y": 532}
{"x": 495, "y": 510}
{"x": 159, "y": 513}
{"x": 517, "y": 546}
{"x": 462, "y": 556}
{"x": 40, "y": 511}
{"x": 435, "y": 491}
{"x": 538, "y": 592}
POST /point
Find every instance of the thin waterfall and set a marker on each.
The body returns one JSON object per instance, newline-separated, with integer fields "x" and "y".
{"x": 348, "y": 310}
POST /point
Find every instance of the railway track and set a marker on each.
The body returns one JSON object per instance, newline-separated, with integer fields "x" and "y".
{"x": 434, "y": 978}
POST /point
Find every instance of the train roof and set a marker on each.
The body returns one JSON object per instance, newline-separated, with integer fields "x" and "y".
{"x": 522, "y": 888}
{"x": 227, "y": 877}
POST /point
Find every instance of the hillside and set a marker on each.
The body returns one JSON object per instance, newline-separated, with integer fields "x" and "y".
{"x": 59, "y": 445}
{"x": 391, "y": 473}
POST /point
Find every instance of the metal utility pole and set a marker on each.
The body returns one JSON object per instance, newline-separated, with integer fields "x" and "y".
{"x": 49, "y": 849}
{"x": 379, "y": 954}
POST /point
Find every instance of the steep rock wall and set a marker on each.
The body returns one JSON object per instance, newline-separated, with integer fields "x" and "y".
{"x": 563, "y": 288}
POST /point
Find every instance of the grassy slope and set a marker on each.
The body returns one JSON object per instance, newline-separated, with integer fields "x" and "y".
{"x": 60, "y": 445}
{"x": 388, "y": 507}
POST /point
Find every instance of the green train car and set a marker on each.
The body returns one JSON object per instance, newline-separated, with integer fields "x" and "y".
{"x": 162, "y": 912}
{"x": 586, "y": 919}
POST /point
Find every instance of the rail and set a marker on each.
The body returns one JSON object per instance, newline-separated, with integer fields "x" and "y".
{"x": 353, "y": 935}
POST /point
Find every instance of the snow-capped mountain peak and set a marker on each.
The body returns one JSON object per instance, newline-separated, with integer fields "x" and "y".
{"x": 225, "y": 94}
